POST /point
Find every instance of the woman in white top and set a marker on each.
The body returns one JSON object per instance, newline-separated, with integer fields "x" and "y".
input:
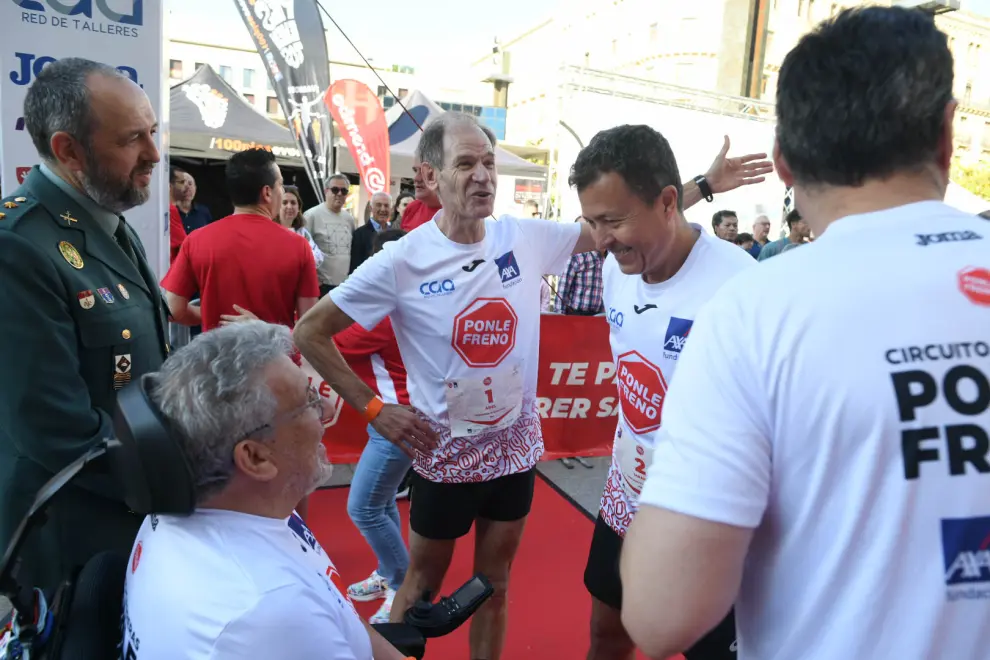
{"x": 291, "y": 218}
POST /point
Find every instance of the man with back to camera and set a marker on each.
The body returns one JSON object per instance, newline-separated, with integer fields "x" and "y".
{"x": 833, "y": 483}
{"x": 81, "y": 310}
{"x": 246, "y": 259}
{"x": 477, "y": 438}
{"x": 658, "y": 272}
{"x": 242, "y": 576}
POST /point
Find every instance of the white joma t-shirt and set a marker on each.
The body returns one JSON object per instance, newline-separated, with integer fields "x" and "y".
{"x": 649, "y": 325}
{"x": 467, "y": 323}
{"x": 844, "y": 415}
{"x": 221, "y": 585}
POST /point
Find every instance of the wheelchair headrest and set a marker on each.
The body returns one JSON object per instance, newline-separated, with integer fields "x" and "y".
{"x": 149, "y": 461}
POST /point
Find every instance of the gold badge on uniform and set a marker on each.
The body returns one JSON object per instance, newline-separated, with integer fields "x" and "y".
{"x": 86, "y": 299}
{"x": 9, "y": 205}
{"x": 123, "y": 292}
{"x": 121, "y": 370}
{"x": 70, "y": 254}
{"x": 20, "y": 200}
{"x": 2, "y": 216}
{"x": 68, "y": 217}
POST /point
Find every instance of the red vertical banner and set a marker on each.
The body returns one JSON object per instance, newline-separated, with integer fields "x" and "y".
{"x": 361, "y": 119}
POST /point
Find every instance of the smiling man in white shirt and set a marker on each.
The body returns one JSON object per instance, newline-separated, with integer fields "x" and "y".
{"x": 823, "y": 462}
{"x": 242, "y": 576}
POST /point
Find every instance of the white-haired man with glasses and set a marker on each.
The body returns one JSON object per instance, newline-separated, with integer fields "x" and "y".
{"x": 331, "y": 227}
{"x": 242, "y": 576}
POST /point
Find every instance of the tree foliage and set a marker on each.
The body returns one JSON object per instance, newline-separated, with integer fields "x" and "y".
{"x": 975, "y": 178}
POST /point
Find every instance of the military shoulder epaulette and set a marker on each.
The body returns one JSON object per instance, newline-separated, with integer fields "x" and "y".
{"x": 14, "y": 208}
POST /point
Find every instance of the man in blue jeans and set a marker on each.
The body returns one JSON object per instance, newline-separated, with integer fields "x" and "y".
{"x": 374, "y": 356}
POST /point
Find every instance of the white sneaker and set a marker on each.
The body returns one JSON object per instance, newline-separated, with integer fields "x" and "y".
{"x": 373, "y": 588}
{"x": 384, "y": 613}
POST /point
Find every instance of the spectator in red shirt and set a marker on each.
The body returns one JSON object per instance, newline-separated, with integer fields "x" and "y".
{"x": 176, "y": 232}
{"x": 245, "y": 259}
{"x": 422, "y": 209}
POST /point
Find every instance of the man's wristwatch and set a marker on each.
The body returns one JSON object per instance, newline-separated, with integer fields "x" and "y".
{"x": 704, "y": 187}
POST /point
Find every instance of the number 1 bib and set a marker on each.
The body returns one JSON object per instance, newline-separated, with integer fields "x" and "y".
{"x": 634, "y": 458}
{"x": 476, "y": 404}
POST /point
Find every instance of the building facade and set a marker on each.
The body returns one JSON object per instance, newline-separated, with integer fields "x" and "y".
{"x": 704, "y": 45}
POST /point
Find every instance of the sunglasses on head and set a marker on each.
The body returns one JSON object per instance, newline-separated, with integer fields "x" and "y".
{"x": 338, "y": 191}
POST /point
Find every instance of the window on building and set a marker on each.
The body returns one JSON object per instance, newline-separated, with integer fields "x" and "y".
{"x": 764, "y": 84}
{"x": 615, "y": 46}
{"x": 811, "y": 9}
{"x": 199, "y": 65}
{"x": 175, "y": 69}
{"x": 402, "y": 92}
{"x": 226, "y": 72}
{"x": 587, "y": 60}
{"x": 248, "y": 78}
{"x": 249, "y": 98}
{"x": 968, "y": 93}
{"x": 653, "y": 32}
{"x": 271, "y": 107}
{"x": 800, "y": 7}
{"x": 382, "y": 91}
{"x": 268, "y": 84}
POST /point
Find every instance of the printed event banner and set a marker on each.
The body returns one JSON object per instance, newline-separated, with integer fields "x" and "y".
{"x": 576, "y": 394}
{"x": 289, "y": 37}
{"x": 126, "y": 34}
{"x": 360, "y": 116}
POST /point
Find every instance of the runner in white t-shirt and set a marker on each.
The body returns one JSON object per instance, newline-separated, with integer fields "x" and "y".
{"x": 463, "y": 293}
{"x": 824, "y": 461}
{"x": 658, "y": 273}
{"x": 242, "y": 576}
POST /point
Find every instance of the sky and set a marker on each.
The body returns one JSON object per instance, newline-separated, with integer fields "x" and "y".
{"x": 392, "y": 35}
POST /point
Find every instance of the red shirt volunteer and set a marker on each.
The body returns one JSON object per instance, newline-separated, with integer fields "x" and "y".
{"x": 245, "y": 260}
{"x": 417, "y": 213}
{"x": 176, "y": 232}
{"x": 374, "y": 356}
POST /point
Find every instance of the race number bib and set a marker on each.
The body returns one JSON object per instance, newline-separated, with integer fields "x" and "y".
{"x": 477, "y": 404}
{"x": 633, "y": 457}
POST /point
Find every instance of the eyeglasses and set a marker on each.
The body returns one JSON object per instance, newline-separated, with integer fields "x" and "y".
{"x": 313, "y": 400}
{"x": 339, "y": 191}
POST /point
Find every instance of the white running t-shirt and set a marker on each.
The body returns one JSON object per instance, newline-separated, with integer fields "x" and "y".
{"x": 467, "y": 322}
{"x": 648, "y": 328}
{"x": 844, "y": 417}
{"x": 222, "y": 585}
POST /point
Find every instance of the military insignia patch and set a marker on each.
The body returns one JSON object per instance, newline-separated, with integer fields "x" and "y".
{"x": 86, "y": 299}
{"x": 20, "y": 200}
{"x": 121, "y": 370}
{"x": 106, "y": 295}
{"x": 71, "y": 254}
{"x": 123, "y": 292}
{"x": 68, "y": 217}
{"x": 9, "y": 205}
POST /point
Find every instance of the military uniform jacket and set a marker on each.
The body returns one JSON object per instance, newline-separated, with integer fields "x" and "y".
{"x": 78, "y": 320}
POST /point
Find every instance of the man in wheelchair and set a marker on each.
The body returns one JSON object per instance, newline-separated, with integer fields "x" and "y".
{"x": 242, "y": 576}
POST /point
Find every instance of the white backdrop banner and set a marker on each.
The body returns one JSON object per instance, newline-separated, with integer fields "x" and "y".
{"x": 127, "y": 34}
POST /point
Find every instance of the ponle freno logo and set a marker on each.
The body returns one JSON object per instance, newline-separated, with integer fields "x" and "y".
{"x": 974, "y": 282}
{"x": 485, "y": 332}
{"x": 642, "y": 389}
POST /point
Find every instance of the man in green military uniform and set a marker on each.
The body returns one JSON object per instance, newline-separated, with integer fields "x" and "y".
{"x": 81, "y": 314}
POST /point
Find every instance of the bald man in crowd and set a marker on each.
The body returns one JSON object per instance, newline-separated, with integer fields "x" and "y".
{"x": 364, "y": 236}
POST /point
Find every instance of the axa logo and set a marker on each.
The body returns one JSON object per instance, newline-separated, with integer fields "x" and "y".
{"x": 84, "y": 9}
{"x": 925, "y": 240}
{"x": 677, "y": 333}
{"x": 508, "y": 269}
{"x": 614, "y": 317}
{"x": 29, "y": 66}
{"x": 965, "y": 553}
{"x": 436, "y": 288}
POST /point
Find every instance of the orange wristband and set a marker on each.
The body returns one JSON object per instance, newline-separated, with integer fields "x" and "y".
{"x": 373, "y": 408}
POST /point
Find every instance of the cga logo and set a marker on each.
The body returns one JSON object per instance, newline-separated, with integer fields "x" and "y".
{"x": 436, "y": 288}
{"x": 677, "y": 334}
{"x": 30, "y": 65}
{"x": 84, "y": 8}
{"x": 615, "y": 317}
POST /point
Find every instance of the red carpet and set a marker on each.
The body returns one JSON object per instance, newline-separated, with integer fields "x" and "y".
{"x": 549, "y": 608}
